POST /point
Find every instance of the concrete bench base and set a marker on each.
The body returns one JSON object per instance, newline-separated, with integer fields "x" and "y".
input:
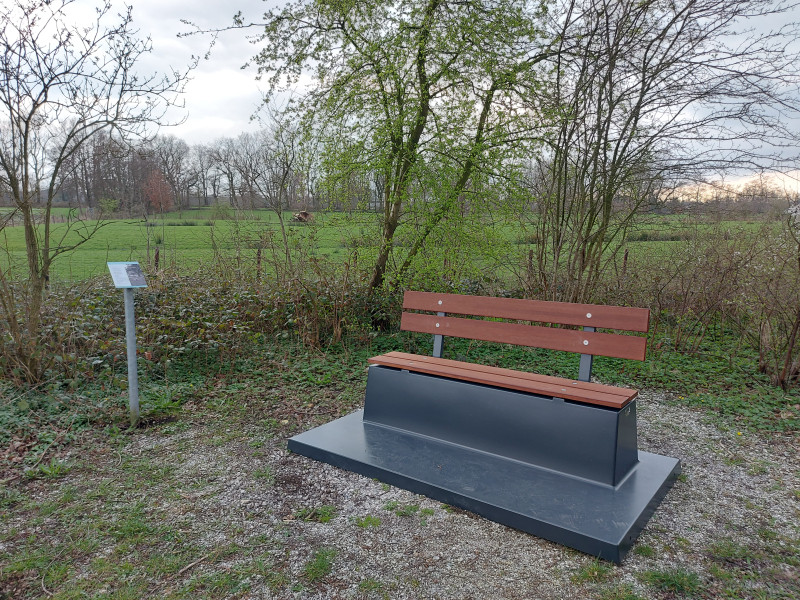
{"x": 419, "y": 454}
{"x": 594, "y": 518}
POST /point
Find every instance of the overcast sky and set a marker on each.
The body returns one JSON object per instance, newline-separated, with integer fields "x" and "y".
{"x": 221, "y": 97}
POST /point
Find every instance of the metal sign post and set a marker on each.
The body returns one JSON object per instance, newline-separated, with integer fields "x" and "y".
{"x": 128, "y": 276}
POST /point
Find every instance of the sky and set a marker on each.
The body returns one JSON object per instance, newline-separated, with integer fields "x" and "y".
{"x": 221, "y": 97}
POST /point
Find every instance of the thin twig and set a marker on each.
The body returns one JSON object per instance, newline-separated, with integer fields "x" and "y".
{"x": 10, "y": 479}
{"x": 194, "y": 564}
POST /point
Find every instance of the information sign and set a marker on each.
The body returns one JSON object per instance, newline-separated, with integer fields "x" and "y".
{"x": 127, "y": 275}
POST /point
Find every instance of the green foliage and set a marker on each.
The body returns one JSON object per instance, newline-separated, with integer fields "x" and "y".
{"x": 376, "y": 75}
{"x": 320, "y": 565}
{"x": 368, "y": 521}
{"x": 108, "y": 206}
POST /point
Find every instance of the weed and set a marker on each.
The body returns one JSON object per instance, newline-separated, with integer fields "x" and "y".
{"x": 730, "y": 551}
{"x": 320, "y": 514}
{"x": 9, "y": 497}
{"x": 276, "y": 580}
{"x": 320, "y": 565}
{"x": 595, "y": 571}
{"x": 51, "y": 470}
{"x": 368, "y": 521}
{"x": 265, "y": 473}
{"x": 644, "y": 550}
{"x": 370, "y": 585}
{"x": 401, "y": 510}
{"x": 679, "y": 581}
{"x": 407, "y": 511}
{"x": 758, "y": 467}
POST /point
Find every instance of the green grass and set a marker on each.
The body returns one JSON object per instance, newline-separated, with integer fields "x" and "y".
{"x": 192, "y": 239}
{"x": 119, "y": 523}
{"x": 595, "y": 572}
{"x": 620, "y": 592}
{"x": 265, "y": 474}
{"x": 679, "y": 581}
{"x": 320, "y": 565}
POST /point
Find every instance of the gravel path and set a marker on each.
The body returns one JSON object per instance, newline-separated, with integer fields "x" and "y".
{"x": 731, "y": 520}
{"x": 734, "y": 488}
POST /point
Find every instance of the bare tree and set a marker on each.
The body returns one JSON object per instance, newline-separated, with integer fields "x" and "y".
{"x": 650, "y": 93}
{"x": 61, "y": 84}
{"x": 223, "y": 155}
{"x": 171, "y": 154}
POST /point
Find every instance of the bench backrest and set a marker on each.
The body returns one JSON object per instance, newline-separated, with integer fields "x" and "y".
{"x": 586, "y": 342}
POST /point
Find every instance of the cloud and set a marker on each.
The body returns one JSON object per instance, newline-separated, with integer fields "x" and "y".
{"x": 221, "y": 97}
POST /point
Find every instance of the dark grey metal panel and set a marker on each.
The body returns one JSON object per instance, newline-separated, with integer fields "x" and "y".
{"x": 438, "y": 342}
{"x": 585, "y": 368}
{"x": 577, "y": 439}
{"x": 597, "y": 519}
{"x": 627, "y": 443}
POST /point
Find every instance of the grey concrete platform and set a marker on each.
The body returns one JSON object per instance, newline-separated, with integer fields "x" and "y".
{"x": 584, "y": 484}
{"x": 598, "y": 519}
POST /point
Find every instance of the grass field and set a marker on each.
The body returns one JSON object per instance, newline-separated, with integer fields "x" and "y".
{"x": 187, "y": 239}
{"x": 191, "y": 239}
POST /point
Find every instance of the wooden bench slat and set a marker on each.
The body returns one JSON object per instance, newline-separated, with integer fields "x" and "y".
{"x": 584, "y": 392}
{"x": 609, "y": 317}
{"x": 551, "y": 338}
{"x": 588, "y": 386}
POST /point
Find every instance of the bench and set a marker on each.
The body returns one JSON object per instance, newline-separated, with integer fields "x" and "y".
{"x": 551, "y": 456}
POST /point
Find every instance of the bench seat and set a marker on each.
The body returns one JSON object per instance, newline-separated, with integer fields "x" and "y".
{"x": 532, "y": 383}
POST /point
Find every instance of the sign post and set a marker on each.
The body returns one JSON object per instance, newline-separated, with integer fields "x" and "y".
{"x": 128, "y": 276}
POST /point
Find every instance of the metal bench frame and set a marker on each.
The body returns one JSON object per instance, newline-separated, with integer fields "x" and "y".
{"x": 555, "y": 457}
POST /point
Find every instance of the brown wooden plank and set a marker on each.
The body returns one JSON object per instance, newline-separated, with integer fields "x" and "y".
{"x": 589, "y": 386}
{"x": 509, "y": 379}
{"x": 551, "y": 338}
{"x": 564, "y": 313}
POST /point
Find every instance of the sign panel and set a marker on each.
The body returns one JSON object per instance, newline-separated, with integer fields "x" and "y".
{"x": 127, "y": 274}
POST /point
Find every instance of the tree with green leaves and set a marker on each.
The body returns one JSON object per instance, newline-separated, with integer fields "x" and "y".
{"x": 422, "y": 94}
{"x": 62, "y": 82}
